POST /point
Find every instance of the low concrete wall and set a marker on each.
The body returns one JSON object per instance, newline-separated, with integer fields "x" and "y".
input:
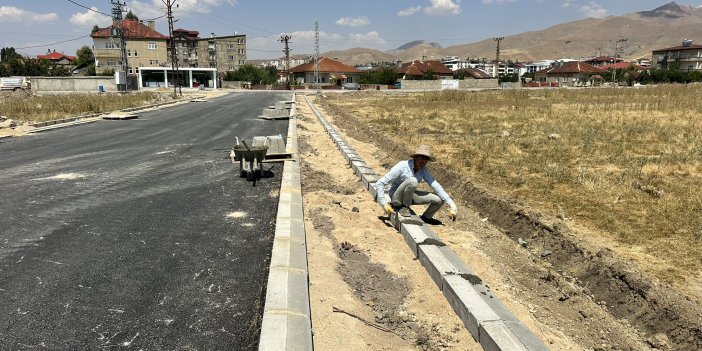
{"x": 462, "y": 84}
{"x": 72, "y": 84}
{"x": 478, "y": 84}
{"x": 231, "y": 84}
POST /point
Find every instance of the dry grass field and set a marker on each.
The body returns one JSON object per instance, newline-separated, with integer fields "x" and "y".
{"x": 21, "y": 107}
{"x": 623, "y": 164}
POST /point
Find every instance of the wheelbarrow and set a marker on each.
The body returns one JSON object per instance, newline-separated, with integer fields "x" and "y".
{"x": 250, "y": 160}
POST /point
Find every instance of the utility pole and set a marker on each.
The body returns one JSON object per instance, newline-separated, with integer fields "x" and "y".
{"x": 117, "y": 36}
{"x": 175, "y": 74}
{"x": 285, "y": 39}
{"x": 497, "y": 55}
{"x": 317, "y": 84}
{"x": 614, "y": 59}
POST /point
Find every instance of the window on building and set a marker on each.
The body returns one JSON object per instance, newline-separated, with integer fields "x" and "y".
{"x": 242, "y": 51}
{"x": 230, "y": 46}
{"x": 152, "y": 46}
{"x": 153, "y": 62}
{"x": 111, "y": 63}
{"x": 131, "y": 71}
{"x": 240, "y": 41}
{"x": 109, "y": 45}
{"x": 231, "y": 57}
{"x": 136, "y": 54}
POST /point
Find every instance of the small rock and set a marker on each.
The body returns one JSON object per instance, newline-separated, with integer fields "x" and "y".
{"x": 355, "y": 209}
{"x": 505, "y": 134}
{"x": 334, "y": 202}
{"x": 8, "y": 123}
{"x": 521, "y": 242}
{"x": 546, "y": 253}
{"x": 554, "y": 136}
{"x": 484, "y": 219}
{"x": 564, "y": 297}
{"x": 584, "y": 314}
{"x": 659, "y": 341}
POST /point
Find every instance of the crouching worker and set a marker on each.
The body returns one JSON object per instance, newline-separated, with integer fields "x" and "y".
{"x": 404, "y": 178}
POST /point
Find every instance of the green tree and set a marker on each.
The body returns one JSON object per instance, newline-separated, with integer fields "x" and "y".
{"x": 253, "y": 74}
{"x": 9, "y": 54}
{"x": 95, "y": 29}
{"x": 510, "y": 77}
{"x": 131, "y": 16}
{"x": 381, "y": 75}
{"x": 430, "y": 75}
{"x": 84, "y": 56}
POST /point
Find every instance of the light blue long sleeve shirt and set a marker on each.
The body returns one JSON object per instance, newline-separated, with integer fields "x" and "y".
{"x": 402, "y": 171}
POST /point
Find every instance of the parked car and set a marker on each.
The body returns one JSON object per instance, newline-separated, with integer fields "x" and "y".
{"x": 12, "y": 83}
{"x": 351, "y": 86}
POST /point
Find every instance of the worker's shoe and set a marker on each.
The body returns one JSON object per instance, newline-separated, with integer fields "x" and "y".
{"x": 405, "y": 212}
{"x": 431, "y": 221}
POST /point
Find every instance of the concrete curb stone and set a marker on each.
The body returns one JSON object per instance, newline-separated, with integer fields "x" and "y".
{"x": 486, "y": 318}
{"x": 286, "y": 323}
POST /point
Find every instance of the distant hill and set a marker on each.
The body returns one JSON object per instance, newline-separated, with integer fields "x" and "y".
{"x": 644, "y": 32}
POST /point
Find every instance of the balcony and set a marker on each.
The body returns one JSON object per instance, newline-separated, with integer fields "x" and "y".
{"x": 107, "y": 53}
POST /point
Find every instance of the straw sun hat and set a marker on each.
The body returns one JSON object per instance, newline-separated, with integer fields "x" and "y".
{"x": 423, "y": 150}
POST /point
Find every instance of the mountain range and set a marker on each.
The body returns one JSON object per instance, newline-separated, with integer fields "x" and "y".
{"x": 635, "y": 35}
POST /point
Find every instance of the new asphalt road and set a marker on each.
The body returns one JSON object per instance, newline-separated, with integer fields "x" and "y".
{"x": 137, "y": 234}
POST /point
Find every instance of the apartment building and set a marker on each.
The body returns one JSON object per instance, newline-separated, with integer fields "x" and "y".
{"x": 225, "y": 53}
{"x": 186, "y": 47}
{"x": 686, "y": 57}
{"x": 145, "y": 47}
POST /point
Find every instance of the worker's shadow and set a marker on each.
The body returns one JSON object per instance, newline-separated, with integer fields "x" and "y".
{"x": 268, "y": 173}
{"x": 386, "y": 221}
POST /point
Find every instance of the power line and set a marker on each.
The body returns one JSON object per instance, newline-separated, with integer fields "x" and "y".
{"x": 59, "y": 42}
{"x": 214, "y": 18}
{"x": 39, "y": 34}
{"x": 86, "y": 7}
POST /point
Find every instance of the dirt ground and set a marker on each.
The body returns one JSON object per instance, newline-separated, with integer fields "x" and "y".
{"x": 361, "y": 265}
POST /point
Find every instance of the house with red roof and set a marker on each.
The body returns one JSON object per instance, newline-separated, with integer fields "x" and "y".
{"x": 331, "y": 73}
{"x": 602, "y": 61}
{"x": 573, "y": 73}
{"x": 145, "y": 47}
{"x": 418, "y": 69}
{"x": 58, "y": 58}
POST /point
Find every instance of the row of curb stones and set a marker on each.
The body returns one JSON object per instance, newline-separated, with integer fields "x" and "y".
{"x": 287, "y": 323}
{"x": 488, "y": 320}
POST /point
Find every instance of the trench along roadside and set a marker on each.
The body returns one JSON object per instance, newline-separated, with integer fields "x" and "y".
{"x": 360, "y": 264}
{"x": 568, "y": 284}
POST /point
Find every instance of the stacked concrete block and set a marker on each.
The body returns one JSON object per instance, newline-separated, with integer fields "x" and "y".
{"x": 488, "y": 320}
{"x": 281, "y": 110}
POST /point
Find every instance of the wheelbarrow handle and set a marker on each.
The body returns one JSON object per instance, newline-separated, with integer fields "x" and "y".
{"x": 246, "y": 146}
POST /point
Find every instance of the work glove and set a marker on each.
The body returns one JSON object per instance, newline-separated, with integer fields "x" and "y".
{"x": 453, "y": 211}
{"x": 388, "y": 209}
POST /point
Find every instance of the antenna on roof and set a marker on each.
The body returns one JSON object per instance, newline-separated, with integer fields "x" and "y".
{"x": 687, "y": 43}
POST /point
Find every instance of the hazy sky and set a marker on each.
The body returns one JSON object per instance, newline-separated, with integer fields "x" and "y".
{"x": 34, "y": 26}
